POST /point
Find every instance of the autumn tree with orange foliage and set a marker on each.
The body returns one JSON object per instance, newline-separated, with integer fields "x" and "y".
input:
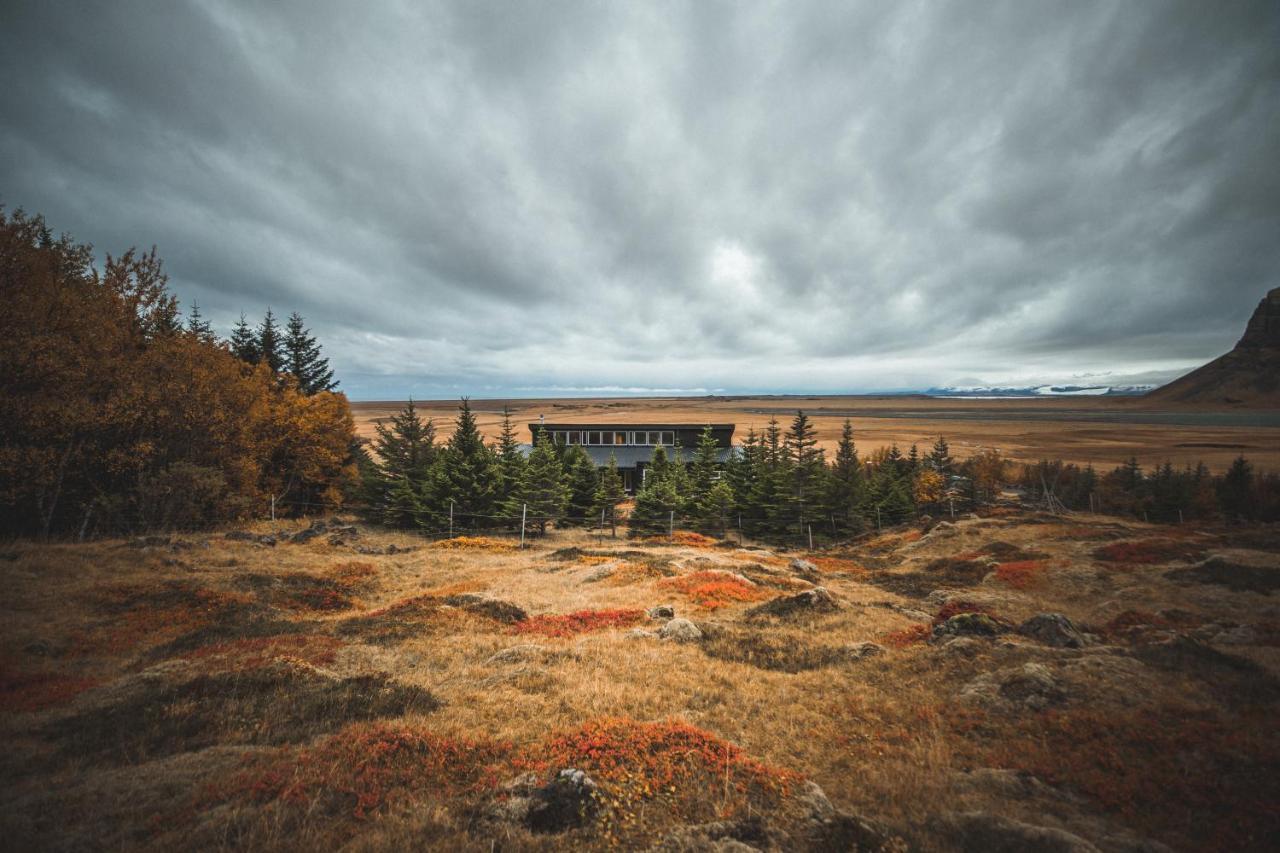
{"x": 113, "y": 417}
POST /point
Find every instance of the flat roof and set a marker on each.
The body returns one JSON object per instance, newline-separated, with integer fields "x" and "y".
{"x": 629, "y": 426}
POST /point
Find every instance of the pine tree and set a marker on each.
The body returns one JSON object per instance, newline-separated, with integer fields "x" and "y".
{"x": 542, "y": 489}
{"x": 717, "y": 506}
{"x": 913, "y": 459}
{"x": 197, "y": 326}
{"x": 1235, "y": 493}
{"x": 270, "y": 344}
{"x": 705, "y": 474}
{"x": 656, "y": 504}
{"x": 847, "y": 486}
{"x": 678, "y": 475}
{"x": 466, "y": 475}
{"x": 609, "y": 494}
{"x": 405, "y": 454}
{"x": 402, "y": 505}
{"x": 244, "y": 344}
{"x": 741, "y": 469}
{"x": 767, "y": 509}
{"x": 583, "y": 479}
{"x": 302, "y": 358}
{"x": 939, "y": 459}
{"x": 511, "y": 461}
{"x": 806, "y": 465}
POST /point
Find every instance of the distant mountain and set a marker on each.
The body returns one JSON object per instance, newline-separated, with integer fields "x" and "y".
{"x": 1043, "y": 391}
{"x": 1249, "y": 375}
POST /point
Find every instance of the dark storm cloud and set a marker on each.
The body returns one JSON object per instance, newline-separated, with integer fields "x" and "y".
{"x": 498, "y": 197}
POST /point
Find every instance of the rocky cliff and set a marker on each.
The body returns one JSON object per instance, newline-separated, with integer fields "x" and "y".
{"x": 1249, "y": 375}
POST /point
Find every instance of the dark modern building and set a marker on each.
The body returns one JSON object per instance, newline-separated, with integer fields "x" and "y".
{"x": 632, "y": 444}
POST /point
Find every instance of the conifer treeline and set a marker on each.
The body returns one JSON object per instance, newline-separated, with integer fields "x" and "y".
{"x": 116, "y": 416}
{"x": 777, "y": 486}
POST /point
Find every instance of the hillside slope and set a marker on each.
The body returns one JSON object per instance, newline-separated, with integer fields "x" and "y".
{"x": 1249, "y": 375}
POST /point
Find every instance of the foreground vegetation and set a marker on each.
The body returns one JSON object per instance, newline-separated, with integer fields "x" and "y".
{"x": 288, "y": 687}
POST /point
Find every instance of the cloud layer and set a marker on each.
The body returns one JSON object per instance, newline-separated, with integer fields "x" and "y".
{"x": 498, "y": 198}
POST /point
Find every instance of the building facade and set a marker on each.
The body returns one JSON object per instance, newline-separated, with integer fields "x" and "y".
{"x": 632, "y": 444}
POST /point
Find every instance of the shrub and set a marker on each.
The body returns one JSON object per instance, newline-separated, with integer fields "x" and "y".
{"x": 34, "y": 691}
{"x": 579, "y": 622}
{"x": 712, "y": 589}
{"x": 1148, "y": 551}
{"x": 475, "y": 543}
{"x": 1021, "y": 573}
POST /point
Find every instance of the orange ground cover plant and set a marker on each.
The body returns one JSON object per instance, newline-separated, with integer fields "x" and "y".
{"x": 475, "y": 543}
{"x": 367, "y": 767}
{"x": 578, "y": 622}
{"x": 712, "y": 590}
{"x": 908, "y": 636}
{"x": 35, "y": 691}
{"x": 684, "y": 537}
{"x": 1148, "y": 551}
{"x": 835, "y": 564}
{"x": 1020, "y": 574}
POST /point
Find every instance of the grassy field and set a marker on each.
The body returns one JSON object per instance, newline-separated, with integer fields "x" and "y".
{"x": 1104, "y": 431}
{"x": 202, "y": 692}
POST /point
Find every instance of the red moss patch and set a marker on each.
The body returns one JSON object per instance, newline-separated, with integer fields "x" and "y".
{"x": 955, "y": 608}
{"x": 366, "y": 768}
{"x": 34, "y": 691}
{"x": 684, "y": 537}
{"x": 835, "y": 564}
{"x": 1020, "y": 574}
{"x": 475, "y": 543}
{"x": 1148, "y": 552}
{"x": 906, "y": 636}
{"x": 579, "y": 622}
{"x": 711, "y": 590}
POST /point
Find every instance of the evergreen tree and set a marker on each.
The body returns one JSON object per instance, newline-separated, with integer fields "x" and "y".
{"x": 768, "y": 502}
{"x": 302, "y": 358}
{"x": 404, "y": 455}
{"x": 244, "y": 344}
{"x": 270, "y": 344}
{"x": 1235, "y": 493}
{"x": 659, "y": 466}
{"x": 678, "y": 475}
{"x": 609, "y": 494}
{"x": 466, "y": 474}
{"x": 511, "y": 461}
{"x": 197, "y": 326}
{"x": 542, "y": 489}
{"x": 742, "y": 470}
{"x": 846, "y": 484}
{"x": 583, "y": 479}
{"x": 913, "y": 459}
{"x": 939, "y": 458}
{"x": 717, "y": 506}
{"x": 705, "y": 473}
{"x": 894, "y": 461}
{"x": 804, "y": 459}
{"x": 655, "y": 506}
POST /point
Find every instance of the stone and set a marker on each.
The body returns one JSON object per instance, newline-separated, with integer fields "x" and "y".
{"x": 805, "y": 569}
{"x": 982, "y": 832}
{"x": 1029, "y": 686}
{"x": 722, "y": 836}
{"x": 968, "y": 625}
{"x": 864, "y": 649}
{"x": 1053, "y": 629}
{"x": 569, "y": 800}
{"x": 239, "y": 536}
{"x": 662, "y": 611}
{"x": 680, "y": 631}
{"x": 827, "y": 828}
{"x": 599, "y": 573}
{"x": 516, "y": 654}
{"x": 304, "y": 536}
{"x": 816, "y": 600}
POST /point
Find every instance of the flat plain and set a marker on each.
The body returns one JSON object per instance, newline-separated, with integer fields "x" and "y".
{"x": 1104, "y": 431}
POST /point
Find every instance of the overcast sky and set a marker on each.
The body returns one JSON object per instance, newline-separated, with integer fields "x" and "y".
{"x": 556, "y": 198}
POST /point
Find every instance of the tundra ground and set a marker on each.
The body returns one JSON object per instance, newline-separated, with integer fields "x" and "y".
{"x": 198, "y": 691}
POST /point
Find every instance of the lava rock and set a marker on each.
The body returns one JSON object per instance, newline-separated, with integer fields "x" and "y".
{"x": 680, "y": 631}
{"x": 816, "y": 600}
{"x": 1053, "y": 629}
{"x": 968, "y": 625}
{"x": 662, "y": 611}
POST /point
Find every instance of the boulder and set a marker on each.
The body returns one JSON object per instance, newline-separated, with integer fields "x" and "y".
{"x": 1029, "y": 686}
{"x": 570, "y": 799}
{"x": 968, "y": 625}
{"x": 304, "y": 536}
{"x": 827, "y": 828}
{"x": 680, "y": 631}
{"x": 662, "y": 611}
{"x": 982, "y": 832}
{"x": 816, "y": 600}
{"x": 864, "y": 649}
{"x": 721, "y": 836}
{"x": 1053, "y": 629}
{"x": 805, "y": 569}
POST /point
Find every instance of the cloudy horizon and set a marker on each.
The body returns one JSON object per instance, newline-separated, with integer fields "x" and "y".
{"x": 566, "y": 199}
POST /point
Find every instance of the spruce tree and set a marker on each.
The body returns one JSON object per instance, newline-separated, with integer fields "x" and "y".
{"x": 846, "y": 485}
{"x": 656, "y": 504}
{"x": 244, "y": 344}
{"x": 583, "y": 479}
{"x": 542, "y": 491}
{"x": 466, "y": 474}
{"x": 270, "y": 343}
{"x": 768, "y": 504}
{"x": 609, "y": 494}
{"x": 913, "y": 459}
{"x": 302, "y": 358}
{"x": 511, "y": 461}
{"x": 705, "y": 473}
{"x": 405, "y": 453}
{"x": 717, "y": 506}
{"x": 1236, "y": 491}
{"x": 939, "y": 459}
{"x": 742, "y": 470}
{"x": 402, "y": 504}
{"x": 804, "y": 459}
{"x": 197, "y": 325}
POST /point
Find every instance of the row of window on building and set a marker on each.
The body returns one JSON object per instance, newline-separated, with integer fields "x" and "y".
{"x": 602, "y": 437}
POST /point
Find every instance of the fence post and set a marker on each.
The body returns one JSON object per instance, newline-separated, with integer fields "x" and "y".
{"x": 810, "y": 537}
{"x": 600, "y": 538}
{"x": 671, "y": 526}
{"x": 1180, "y": 515}
{"x": 952, "y": 501}
{"x": 450, "y": 518}
{"x": 524, "y": 511}
{"x": 878, "y": 518}
{"x": 273, "y": 507}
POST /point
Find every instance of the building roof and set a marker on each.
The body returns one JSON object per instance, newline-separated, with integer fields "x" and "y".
{"x": 629, "y": 455}
{"x": 629, "y": 426}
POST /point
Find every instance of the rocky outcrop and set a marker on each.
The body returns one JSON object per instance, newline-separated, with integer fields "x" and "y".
{"x": 680, "y": 631}
{"x": 816, "y": 600}
{"x": 1249, "y": 375}
{"x": 1053, "y": 629}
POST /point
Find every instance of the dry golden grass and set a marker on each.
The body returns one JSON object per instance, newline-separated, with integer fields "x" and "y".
{"x": 470, "y": 696}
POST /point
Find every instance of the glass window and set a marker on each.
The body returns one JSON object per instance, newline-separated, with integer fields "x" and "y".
{"x": 572, "y": 437}
{"x": 668, "y": 438}
{"x": 593, "y": 437}
{"x": 619, "y": 438}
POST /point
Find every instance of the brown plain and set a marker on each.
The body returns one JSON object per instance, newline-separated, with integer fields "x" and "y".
{"x": 1025, "y": 430}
